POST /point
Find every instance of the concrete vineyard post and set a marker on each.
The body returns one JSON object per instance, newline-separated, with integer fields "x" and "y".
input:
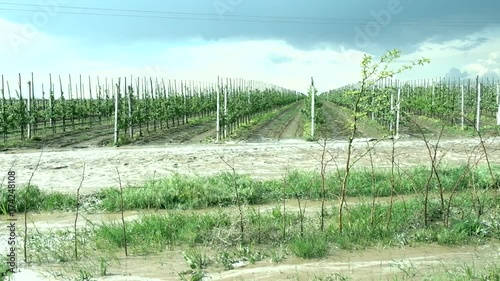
{"x": 478, "y": 112}
{"x": 99, "y": 90}
{"x": 462, "y": 105}
{"x": 80, "y": 98}
{"x": 432, "y": 97}
{"x": 125, "y": 92}
{"x": 3, "y": 108}
{"x": 184, "y": 102}
{"x": 498, "y": 104}
{"x": 249, "y": 91}
{"x": 116, "y": 111}
{"x": 231, "y": 93}
{"x": 91, "y": 113}
{"x": 34, "y": 103}
{"x": 51, "y": 91}
{"x": 217, "y": 126}
{"x": 129, "y": 99}
{"x": 391, "y": 122}
{"x": 21, "y": 104}
{"x": 498, "y": 93}
{"x": 225, "y": 109}
{"x": 44, "y": 107}
{"x": 190, "y": 96}
{"x": 70, "y": 95}
{"x": 150, "y": 90}
{"x": 29, "y": 110}
{"x": 398, "y": 107}
{"x": 312, "y": 107}
{"x": 373, "y": 102}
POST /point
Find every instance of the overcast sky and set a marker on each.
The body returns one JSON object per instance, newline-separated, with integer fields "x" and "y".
{"x": 275, "y": 41}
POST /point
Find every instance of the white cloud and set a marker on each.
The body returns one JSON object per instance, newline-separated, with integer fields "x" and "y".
{"x": 493, "y": 59}
{"x": 476, "y": 68}
{"x": 249, "y": 59}
{"x": 477, "y": 60}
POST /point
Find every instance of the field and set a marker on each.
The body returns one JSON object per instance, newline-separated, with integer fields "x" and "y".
{"x": 260, "y": 197}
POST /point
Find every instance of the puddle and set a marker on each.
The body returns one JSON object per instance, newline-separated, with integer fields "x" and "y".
{"x": 54, "y": 220}
{"x": 367, "y": 265}
{"x": 372, "y": 264}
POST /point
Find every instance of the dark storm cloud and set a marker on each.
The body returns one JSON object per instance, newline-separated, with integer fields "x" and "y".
{"x": 472, "y": 43}
{"x": 367, "y": 25}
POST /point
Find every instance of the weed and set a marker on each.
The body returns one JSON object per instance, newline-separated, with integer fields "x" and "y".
{"x": 310, "y": 246}
{"x": 195, "y": 258}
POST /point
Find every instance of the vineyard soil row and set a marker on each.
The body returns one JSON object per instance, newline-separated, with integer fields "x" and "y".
{"x": 287, "y": 125}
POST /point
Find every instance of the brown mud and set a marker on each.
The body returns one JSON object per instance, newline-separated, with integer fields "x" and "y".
{"x": 61, "y": 169}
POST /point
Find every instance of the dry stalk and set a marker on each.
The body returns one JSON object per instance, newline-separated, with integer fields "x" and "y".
{"x": 77, "y": 211}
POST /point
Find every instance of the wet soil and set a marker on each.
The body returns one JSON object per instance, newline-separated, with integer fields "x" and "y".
{"x": 61, "y": 169}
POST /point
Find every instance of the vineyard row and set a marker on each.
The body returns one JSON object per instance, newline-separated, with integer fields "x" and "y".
{"x": 131, "y": 107}
{"x": 455, "y": 102}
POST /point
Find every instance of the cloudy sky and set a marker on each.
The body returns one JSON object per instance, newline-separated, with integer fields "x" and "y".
{"x": 275, "y": 41}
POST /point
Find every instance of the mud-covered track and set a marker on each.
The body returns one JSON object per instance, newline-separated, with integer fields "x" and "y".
{"x": 336, "y": 125}
{"x": 287, "y": 125}
{"x": 293, "y": 129}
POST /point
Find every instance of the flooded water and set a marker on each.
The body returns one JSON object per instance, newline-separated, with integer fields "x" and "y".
{"x": 374, "y": 264}
{"x": 371, "y": 264}
{"x": 52, "y": 220}
{"x": 413, "y": 263}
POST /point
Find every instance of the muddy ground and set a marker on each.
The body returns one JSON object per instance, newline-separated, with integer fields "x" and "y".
{"x": 61, "y": 169}
{"x": 271, "y": 150}
{"x": 410, "y": 262}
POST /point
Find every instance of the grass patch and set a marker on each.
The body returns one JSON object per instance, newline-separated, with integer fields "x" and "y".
{"x": 196, "y": 192}
{"x": 365, "y": 125}
{"x": 156, "y": 232}
{"x": 187, "y": 192}
{"x": 488, "y": 126}
{"x": 278, "y": 232}
{"x": 313, "y": 245}
{"x": 38, "y": 200}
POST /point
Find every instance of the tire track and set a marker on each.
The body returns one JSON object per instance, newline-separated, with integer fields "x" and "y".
{"x": 277, "y": 127}
{"x": 293, "y": 129}
{"x": 336, "y": 125}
